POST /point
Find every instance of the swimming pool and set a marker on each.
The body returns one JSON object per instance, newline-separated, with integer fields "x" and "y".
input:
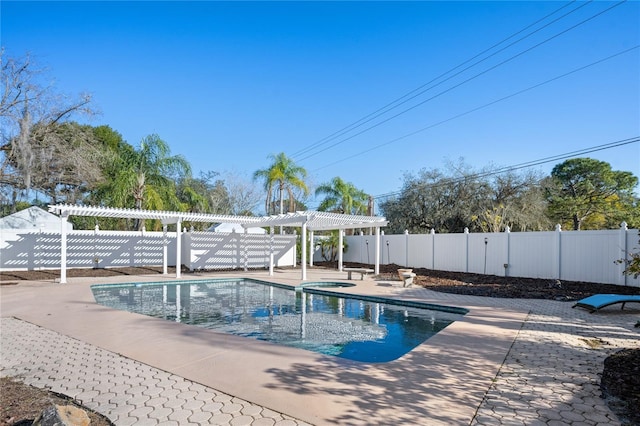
{"x": 366, "y": 329}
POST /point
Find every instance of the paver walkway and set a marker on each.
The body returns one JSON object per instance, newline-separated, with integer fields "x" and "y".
{"x": 550, "y": 377}
{"x": 124, "y": 390}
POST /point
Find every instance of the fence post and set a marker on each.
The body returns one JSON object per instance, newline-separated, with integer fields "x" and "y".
{"x": 433, "y": 248}
{"x": 406, "y": 251}
{"x": 557, "y": 251}
{"x": 38, "y": 250}
{"x": 507, "y": 231}
{"x": 622, "y": 277}
{"x": 96, "y": 259}
{"x": 466, "y": 249}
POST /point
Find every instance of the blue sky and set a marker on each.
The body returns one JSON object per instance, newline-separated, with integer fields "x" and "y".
{"x": 228, "y": 83}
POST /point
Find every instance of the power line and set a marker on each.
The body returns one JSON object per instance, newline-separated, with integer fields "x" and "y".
{"x": 479, "y": 108}
{"x": 396, "y": 103}
{"x": 528, "y": 164}
{"x": 465, "y": 81}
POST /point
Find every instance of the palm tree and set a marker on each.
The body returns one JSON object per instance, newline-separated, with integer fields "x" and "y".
{"x": 342, "y": 197}
{"x": 329, "y": 246}
{"x": 283, "y": 175}
{"x": 146, "y": 177}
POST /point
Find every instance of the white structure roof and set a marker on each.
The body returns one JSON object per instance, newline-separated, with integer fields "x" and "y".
{"x": 33, "y": 218}
{"x": 235, "y": 227}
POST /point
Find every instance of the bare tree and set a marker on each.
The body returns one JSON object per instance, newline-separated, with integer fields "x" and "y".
{"x": 516, "y": 200}
{"x": 459, "y": 197}
{"x": 244, "y": 194}
{"x": 31, "y": 113}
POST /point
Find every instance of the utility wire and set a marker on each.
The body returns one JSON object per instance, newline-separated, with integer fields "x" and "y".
{"x": 478, "y": 108}
{"x": 407, "y": 97}
{"x": 527, "y": 164}
{"x": 395, "y": 103}
{"x": 464, "y": 81}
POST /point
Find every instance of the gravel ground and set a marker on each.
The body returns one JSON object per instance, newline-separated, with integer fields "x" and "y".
{"x": 20, "y": 404}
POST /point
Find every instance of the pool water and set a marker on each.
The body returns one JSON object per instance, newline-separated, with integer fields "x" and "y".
{"x": 369, "y": 329}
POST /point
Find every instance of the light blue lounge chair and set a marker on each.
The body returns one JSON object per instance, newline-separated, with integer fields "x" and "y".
{"x": 599, "y": 301}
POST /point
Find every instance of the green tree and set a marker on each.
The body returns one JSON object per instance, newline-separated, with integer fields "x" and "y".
{"x": 329, "y": 246}
{"x": 282, "y": 176}
{"x": 145, "y": 178}
{"x": 632, "y": 264}
{"x": 204, "y": 194}
{"x": 342, "y": 197}
{"x": 587, "y": 194}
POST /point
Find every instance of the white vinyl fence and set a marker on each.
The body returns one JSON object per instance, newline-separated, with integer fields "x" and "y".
{"x": 590, "y": 256}
{"x": 29, "y": 250}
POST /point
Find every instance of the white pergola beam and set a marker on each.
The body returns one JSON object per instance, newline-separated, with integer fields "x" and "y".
{"x": 346, "y": 226}
{"x": 167, "y": 217}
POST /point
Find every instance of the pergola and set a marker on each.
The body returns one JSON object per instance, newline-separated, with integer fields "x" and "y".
{"x": 308, "y": 220}
{"x": 323, "y": 221}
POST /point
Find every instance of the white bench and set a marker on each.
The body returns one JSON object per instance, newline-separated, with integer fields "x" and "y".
{"x": 406, "y": 276}
{"x": 363, "y": 272}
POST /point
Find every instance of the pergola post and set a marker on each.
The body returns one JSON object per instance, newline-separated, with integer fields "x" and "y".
{"x": 271, "y": 253}
{"x": 245, "y": 249}
{"x": 63, "y": 248}
{"x": 295, "y": 252}
{"x": 165, "y": 260}
{"x": 376, "y": 268}
{"x": 340, "y": 249}
{"x": 311, "y": 248}
{"x": 178, "y": 248}
{"x": 303, "y": 256}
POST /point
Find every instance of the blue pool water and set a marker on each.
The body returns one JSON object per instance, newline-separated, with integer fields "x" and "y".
{"x": 361, "y": 329}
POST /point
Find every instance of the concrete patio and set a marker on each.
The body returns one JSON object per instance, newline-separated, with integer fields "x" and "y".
{"x": 509, "y": 361}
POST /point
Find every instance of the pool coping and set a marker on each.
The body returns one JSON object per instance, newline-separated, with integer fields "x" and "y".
{"x": 442, "y": 381}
